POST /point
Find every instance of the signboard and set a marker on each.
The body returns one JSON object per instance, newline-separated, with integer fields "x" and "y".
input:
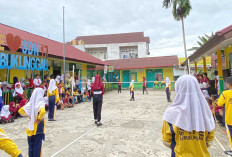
{"x": 199, "y": 64}
{"x": 29, "y": 60}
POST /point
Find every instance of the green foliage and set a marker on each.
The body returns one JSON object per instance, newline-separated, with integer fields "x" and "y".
{"x": 203, "y": 40}
{"x": 180, "y": 8}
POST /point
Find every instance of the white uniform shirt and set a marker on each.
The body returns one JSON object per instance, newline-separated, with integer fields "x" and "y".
{"x": 37, "y": 82}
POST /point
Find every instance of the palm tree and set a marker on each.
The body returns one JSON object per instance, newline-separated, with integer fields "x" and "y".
{"x": 180, "y": 10}
{"x": 203, "y": 40}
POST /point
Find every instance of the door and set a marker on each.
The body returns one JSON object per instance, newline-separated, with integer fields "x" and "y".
{"x": 150, "y": 77}
{"x": 126, "y": 78}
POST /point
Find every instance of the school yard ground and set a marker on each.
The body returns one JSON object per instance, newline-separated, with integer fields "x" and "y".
{"x": 130, "y": 129}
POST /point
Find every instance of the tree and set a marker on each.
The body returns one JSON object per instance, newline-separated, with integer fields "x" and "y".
{"x": 180, "y": 10}
{"x": 203, "y": 40}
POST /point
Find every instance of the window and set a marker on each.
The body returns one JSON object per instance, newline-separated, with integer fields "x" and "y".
{"x": 105, "y": 56}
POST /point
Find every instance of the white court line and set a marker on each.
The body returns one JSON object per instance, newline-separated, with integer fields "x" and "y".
{"x": 78, "y": 138}
{"x": 220, "y": 145}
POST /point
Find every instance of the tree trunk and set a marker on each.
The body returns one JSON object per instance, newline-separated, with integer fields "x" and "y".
{"x": 185, "y": 51}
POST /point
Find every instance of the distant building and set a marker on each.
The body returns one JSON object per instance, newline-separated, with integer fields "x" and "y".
{"x": 114, "y": 46}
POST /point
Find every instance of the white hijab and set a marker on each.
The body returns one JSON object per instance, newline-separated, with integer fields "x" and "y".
{"x": 5, "y": 111}
{"x": 18, "y": 90}
{"x": 52, "y": 86}
{"x": 167, "y": 80}
{"x": 132, "y": 83}
{"x": 190, "y": 110}
{"x": 58, "y": 79}
{"x": 34, "y": 105}
{"x": 89, "y": 84}
{"x": 22, "y": 82}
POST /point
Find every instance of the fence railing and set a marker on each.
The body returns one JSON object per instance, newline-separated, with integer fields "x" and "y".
{"x": 8, "y": 96}
{"x": 138, "y": 85}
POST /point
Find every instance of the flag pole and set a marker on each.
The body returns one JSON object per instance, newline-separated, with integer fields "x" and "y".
{"x": 63, "y": 47}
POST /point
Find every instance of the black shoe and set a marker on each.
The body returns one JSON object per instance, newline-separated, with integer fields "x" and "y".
{"x": 169, "y": 101}
{"x": 228, "y": 152}
{"x": 95, "y": 122}
{"x": 51, "y": 120}
{"x": 99, "y": 124}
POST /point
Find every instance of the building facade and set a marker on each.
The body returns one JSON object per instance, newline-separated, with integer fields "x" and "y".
{"x": 23, "y": 55}
{"x": 114, "y": 46}
{"x": 153, "y": 68}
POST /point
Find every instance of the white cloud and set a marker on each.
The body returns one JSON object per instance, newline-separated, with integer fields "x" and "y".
{"x": 91, "y": 17}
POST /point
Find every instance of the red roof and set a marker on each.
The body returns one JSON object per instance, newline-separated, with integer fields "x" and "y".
{"x": 114, "y": 38}
{"x": 140, "y": 63}
{"x": 54, "y": 48}
{"x": 225, "y": 30}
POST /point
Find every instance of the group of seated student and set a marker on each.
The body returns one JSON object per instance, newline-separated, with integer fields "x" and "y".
{"x": 217, "y": 111}
{"x": 66, "y": 100}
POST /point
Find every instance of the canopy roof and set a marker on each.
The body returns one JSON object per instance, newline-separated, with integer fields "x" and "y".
{"x": 220, "y": 40}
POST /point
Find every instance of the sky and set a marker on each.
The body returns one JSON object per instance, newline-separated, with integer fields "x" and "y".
{"x": 94, "y": 17}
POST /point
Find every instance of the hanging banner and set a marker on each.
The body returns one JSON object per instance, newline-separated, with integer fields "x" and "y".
{"x": 199, "y": 64}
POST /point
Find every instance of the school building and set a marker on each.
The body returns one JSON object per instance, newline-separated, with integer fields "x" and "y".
{"x": 23, "y": 54}
{"x": 221, "y": 45}
{"x": 114, "y": 46}
{"x": 153, "y": 68}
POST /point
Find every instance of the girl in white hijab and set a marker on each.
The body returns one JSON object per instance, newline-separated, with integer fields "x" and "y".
{"x": 5, "y": 115}
{"x": 57, "y": 79}
{"x": 35, "y": 110}
{"x": 168, "y": 88}
{"x": 132, "y": 90}
{"x": 22, "y": 83}
{"x": 18, "y": 93}
{"x": 188, "y": 126}
{"x": 53, "y": 98}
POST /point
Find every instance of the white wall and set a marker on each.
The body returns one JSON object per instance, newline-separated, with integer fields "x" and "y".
{"x": 113, "y": 50}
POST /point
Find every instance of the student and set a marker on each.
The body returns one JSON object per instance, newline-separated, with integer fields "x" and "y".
{"x": 60, "y": 105}
{"x": 163, "y": 83}
{"x": 75, "y": 95}
{"x": 15, "y": 80}
{"x": 216, "y": 110}
{"x": 132, "y": 91}
{"x": 88, "y": 97}
{"x": 225, "y": 100}
{"x": 216, "y": 83}
{"x": 156, "y": 83}
{"x": 35, "y": 110}
{"x": 43, "y": 86}
{"x": 84, "y": 98}
{"x": 37, "y": 81}
{"x": 1, "y": 101}
{"x": 31, "y": 83}
{"x": 70, "y": 97}
{"x": 8, "y": 145}
{"x": 18, "y": 93}
{"x": 168, "y": 83}
{"x": 89, "y": 86}
{"x": 6, "y": 86}
{"x": 119, "y": 85}
{"x": 5, "y": 115}
{"x": 144, "y": 84}
{"x": 22, "y": 80}
{"x": 13, "y": 108}
{"x": 57, "y": 79}
{"x": 98, "y": 91}
{"x": 188, "y": 127}
{"x": 53, "y": 98}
